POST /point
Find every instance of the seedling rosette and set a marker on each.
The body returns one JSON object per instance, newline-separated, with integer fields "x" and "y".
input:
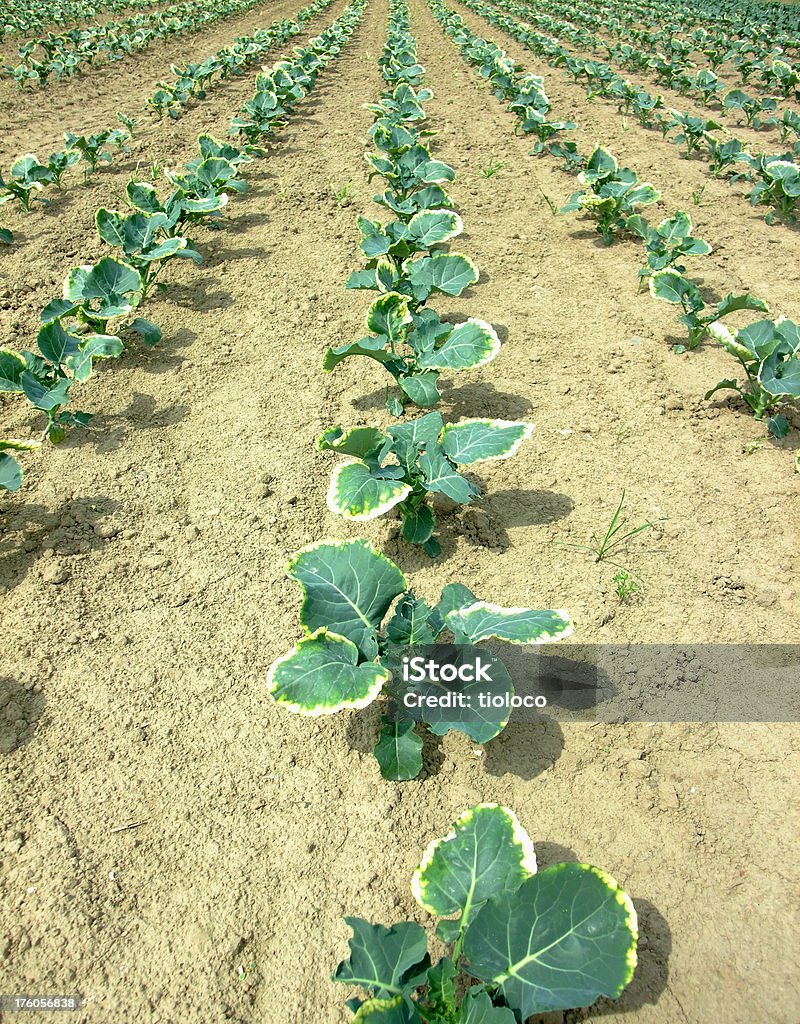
{"x": 416, "y": 347}
{"x": 612, "y": 196}
{"x": 769, "y": 353}
{"x": 523, "y": 941}
{"x": 357, "y": 610}
{"x": 402, "y": 467}
{"x": 667, "y": 243}
{"x": 672, "y": 287}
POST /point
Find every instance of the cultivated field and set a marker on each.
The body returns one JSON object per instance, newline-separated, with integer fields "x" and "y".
{"x": 177, "y": 844}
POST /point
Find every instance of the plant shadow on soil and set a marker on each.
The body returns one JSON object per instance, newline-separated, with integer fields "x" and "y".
{"x": 108, "y": 432}
{"x": 21, "y": 710}
{"x": 474, "y": 400}
{"x": 30, "y": 525}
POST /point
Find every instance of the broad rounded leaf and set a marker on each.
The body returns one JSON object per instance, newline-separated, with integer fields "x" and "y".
{"x": 566, "y": 937}
{"x": 670, "y": 286}
{"x": 431, "y": 227}
{"x": 421, "y": 388}
{"x": 12, "y": 366}
{"x": 358, "y": 441}
{"x": 469, "y": 345}
{"x": 449, "y": 273}
{"x": 356, "y": 493}
{"x": 477, "y": 1008}
{"x": 11, "y": 475}
{"x": 441, "y": 476}
{"x": 479, "y": 440}
{"x": 385, "y": 1011}
{"x": 321, "y": 676}
{"x": 348, "y": 587}
{"x": 482, "y": 620}
{"x": 487, "y": 853}
{"x": 389, "y": 316}
{"x": 398, "y": 751}
{"x": 385, "y": 961}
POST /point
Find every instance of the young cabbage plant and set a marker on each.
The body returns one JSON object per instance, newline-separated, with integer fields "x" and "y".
{"x": 668, "y": 242}
{"x": 415, "y": 348}
{"x": 671, "y": 286}
{"x": 779, "y": 188}
{"x": 96, "y": 149}
{"x": 522, "y": 942}
{"x": 11, "y": 473}
{"x": 45, "y": 378}
{"x": 752, "y": 108}
{"x": 724, "y": 155}
{"x": 343, "y": 659}
{"x": 769, "y": 353}
{"x": 612, "y": 196}
{"x": 146, "y": 241}
{"x": 27, "y": 178}
{"x": 59, "y": 163}
{"x": 694, "y": 132}
{"x": 402, "y": 467}
{"x": 96, "y": 294}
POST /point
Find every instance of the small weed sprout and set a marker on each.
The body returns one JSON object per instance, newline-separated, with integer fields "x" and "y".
{"x": 492, "y": 168}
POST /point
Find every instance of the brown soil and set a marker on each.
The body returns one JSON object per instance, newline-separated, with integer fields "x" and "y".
{"x": 144, "y": 595}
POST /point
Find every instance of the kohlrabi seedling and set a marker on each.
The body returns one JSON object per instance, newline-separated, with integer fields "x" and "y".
{"x": 612, "y": 195}
{"x": 671, "y": 286}
{"x": 769, "y": 353}
{"x": 402, "y": 467}
{"x": 668, "y": 242}
{"x": 522, "y": 942}
{"x": 415, "y": 347}
{"x": 27, "y": 178}
{"x": 147, "y": 241}
{"x": 356, "y": 611}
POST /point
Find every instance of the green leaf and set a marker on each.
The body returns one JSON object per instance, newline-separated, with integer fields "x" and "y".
{"x": 481, "y": 621}
{"x": 55, "y": 309}
{"x": 672, "y": 287}
{"x": 442, "y": 986}
{"x": 45, "y": 396}
{"x": 449, "y": 273}
{"x": 372, "y": 348}
{"x": 418, "y": 525}
{"x": 733, "y": 302}
{"x": 398, "y": 751}
{"x": 347, "y": 586}
{"x": 387, "y": 962}
{"x": 143, "y": 196}
{"x": 358, "y": 493}
{"x": 780, "y": 378}
{"x": 566, "y": 937}
{"x": 431, "y": 227}
{"x": 359, "y": 441}
{"x": 441, "y": 476}
{"x": 386, "y": 1011}
{"x": 477, "y": 1008}
{"x": 479, "y": 440}
{"x": 413, "y": 622}
{"x": 421, "y": 388}
{"x": 389, "y": 316}
{"x": 469, "y": 345}
{"x": 149, "y": 332}
{"x": 12, "y": 366}
{"x": 321, "y": 676}
{"x": 11, "y": 476}
{"x": 56, "y": 344}
{"x": 778, "y": 426}
{"x": 114, "y": 284}
{"x": 93, "y": 346}
{"x": 6, "y": 238}
{"x": 487, "y": 853}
